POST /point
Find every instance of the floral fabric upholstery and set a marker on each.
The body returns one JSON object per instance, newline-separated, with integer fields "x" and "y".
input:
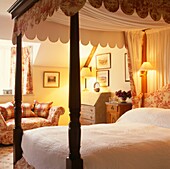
{"x": 137, "y": 101}
{"x": 6, "y": 127}
{"x": 2, "y": 122}
{"x": 160, "y": 98}
{"x": 22, "y": 163}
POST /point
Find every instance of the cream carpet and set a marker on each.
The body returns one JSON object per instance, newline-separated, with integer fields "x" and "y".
{"x": 6, "y": 157}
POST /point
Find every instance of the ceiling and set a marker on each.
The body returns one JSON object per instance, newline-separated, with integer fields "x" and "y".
{"x": 5, "y": 5}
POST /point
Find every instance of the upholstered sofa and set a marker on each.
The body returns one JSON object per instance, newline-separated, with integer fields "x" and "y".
{"x": 33, "y": 116}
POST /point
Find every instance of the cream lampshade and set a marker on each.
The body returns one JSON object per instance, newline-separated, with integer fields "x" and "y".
{"x": 146, "y": 66}
{"x": 86, "y": 72}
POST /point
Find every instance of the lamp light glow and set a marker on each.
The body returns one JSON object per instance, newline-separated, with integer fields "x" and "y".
{"x": 87, "y": 72}
{"x": 146, "y": 66}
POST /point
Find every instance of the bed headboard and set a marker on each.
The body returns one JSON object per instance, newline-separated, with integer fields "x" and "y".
{"x": 159, "y": 98}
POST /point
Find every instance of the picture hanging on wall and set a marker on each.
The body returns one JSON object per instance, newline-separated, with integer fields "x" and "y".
{"x": 103, "y": 77}
{"x": 51, "y": 79}
{"x": 103, "y": 61}
{"x": 127, "y": 79}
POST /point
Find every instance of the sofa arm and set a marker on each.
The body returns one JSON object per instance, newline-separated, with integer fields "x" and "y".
{"x": 54, "y": 114}
{"x": 2, "y": 122}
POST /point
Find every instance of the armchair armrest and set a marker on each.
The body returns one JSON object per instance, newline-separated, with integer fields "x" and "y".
{"x": 2, "y": 122}
{"x": 54, "y": 114}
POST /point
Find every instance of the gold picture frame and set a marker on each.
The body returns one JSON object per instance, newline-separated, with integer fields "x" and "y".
{"x": 102, "y": 77}
{"x": 51, "y": 79}
{"x": 103, "y": 61}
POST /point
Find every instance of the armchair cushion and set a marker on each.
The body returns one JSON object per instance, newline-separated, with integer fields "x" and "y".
{"x": 42, "y": 109}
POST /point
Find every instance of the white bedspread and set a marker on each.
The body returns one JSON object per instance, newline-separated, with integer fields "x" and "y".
{"x": 103, "y": 146}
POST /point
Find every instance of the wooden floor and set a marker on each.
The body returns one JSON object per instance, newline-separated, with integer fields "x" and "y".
{"x": 6, "y": 157}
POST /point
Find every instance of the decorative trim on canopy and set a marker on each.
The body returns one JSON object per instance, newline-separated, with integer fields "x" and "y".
{"x": 48, "y": 30}
{"x": 44, "y": 8}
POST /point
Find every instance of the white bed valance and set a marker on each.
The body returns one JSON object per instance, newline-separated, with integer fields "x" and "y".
{"x": 44, "y": 8}
{"x": 55, "y": 32}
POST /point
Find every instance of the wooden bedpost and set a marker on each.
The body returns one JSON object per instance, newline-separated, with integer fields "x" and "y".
{"x": 16, "y": 10}
{"x": 74, "y": 160}
{"x": 144, "y": 59}
{"x": 17, "y": 135}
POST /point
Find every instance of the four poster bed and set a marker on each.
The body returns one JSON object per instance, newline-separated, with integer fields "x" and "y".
{"x": 144, "y": 144}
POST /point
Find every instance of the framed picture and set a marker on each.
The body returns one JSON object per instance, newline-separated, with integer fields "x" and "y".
{"x": 51, "y": 79}
{"x": 103, "y": 61}
{"x": 127, "y": 79}
{"x": 103, "y": 77}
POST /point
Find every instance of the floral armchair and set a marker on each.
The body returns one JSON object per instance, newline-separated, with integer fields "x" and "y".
{"x": 39, "y": 115}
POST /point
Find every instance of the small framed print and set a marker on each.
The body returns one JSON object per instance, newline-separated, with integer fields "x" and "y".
{"x": 103, "y": 77}
{"x": 127, "y": 79}
{"x": 103, "y": 61}
{"x": 51, "y": 79}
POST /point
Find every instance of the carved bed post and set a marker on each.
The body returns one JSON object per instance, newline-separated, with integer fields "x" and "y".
{"x": 74, "y": 160}
{"x": 17, "y": 133}
{"x": 144, "y": 59}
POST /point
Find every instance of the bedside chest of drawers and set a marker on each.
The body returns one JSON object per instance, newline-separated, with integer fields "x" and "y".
{"x": 115, "y": 110}
{"x": 93, "y": 107}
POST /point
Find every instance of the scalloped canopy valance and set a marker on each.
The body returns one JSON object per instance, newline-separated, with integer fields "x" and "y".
{"x": 44, "y": 8}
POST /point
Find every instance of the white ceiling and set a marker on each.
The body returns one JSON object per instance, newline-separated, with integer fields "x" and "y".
{"x": 5, "y": 5}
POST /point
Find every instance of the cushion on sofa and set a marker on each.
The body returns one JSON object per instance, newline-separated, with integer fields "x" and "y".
{"x": 42, "y": 109}
{"x": 27, "y": 110}
{"x": 2, "y": 122}
{"x": 7, "y": 110}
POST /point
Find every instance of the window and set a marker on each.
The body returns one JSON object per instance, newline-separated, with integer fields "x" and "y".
{"x": 4, "y": 68}
{"x": 7, "y": 67}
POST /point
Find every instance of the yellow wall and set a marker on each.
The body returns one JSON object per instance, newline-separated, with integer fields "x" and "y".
{"x": 59, "y": 96}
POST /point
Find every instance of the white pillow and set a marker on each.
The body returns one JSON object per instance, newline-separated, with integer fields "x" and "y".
{"x": 154, "y": 116}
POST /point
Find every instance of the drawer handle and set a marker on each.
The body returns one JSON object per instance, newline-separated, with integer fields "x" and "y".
{"x": 91, "y": 110}
{"x": 112, "y": 107}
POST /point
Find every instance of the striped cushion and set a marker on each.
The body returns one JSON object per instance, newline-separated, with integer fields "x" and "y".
{"x": 7, "y": 110}
{"x": 42, "y": 109}
{"x": 27, "y": 110}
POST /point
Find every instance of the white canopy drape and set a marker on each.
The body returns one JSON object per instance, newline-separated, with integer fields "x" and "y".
{"x": 158, "y": 50}
{"x": 44, "y": 8}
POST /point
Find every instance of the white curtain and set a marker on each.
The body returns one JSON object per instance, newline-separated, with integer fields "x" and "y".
{"x": 158, "y": 54}
{"x": 134, "y": 41}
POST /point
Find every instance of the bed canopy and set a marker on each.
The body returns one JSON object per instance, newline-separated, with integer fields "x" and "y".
{"x": 27, "y": 13}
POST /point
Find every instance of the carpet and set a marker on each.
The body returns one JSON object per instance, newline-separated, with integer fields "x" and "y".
{"x": 6, "y": 157}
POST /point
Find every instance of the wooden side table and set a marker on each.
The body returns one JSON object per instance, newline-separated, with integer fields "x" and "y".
{"x": 115, "y": 110}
